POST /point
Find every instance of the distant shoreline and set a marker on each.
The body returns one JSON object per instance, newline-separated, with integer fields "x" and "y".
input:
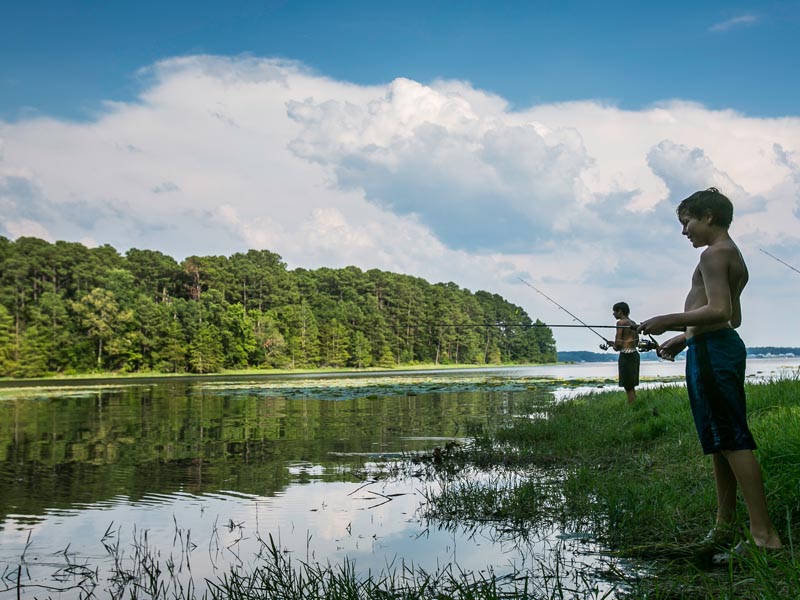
{"x": 575, "y": 356}
{"x": 145, "y": 378}
{"x": 243, "y": 375}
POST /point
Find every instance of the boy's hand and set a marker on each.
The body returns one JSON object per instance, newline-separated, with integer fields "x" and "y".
{"x": 672, "y": 347}
{"x": 654, "y": 326}
{"x": 606, "y": 344}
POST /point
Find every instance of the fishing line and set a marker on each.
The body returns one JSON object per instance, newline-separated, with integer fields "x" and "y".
{"x": 642, "y": 346}
{"x": 779, "y": 260}
{"x": 589, "y": 327}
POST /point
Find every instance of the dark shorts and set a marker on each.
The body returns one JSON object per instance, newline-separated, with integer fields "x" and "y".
{"x": 715, "y": 365}
{"x": 628, "y": 370}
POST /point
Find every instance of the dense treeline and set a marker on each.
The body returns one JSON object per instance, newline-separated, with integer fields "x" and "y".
{"x": 66, "y": 308}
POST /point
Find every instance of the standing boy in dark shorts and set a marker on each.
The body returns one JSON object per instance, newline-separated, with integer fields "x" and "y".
{"x": 715, "y": 362}
{"x": 626, "y": 343}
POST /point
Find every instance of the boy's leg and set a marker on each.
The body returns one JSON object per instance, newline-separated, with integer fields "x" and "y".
{"x": 725, "y": 482}
{"x": 631, "y": 395}
{"x": 747, "y": 472}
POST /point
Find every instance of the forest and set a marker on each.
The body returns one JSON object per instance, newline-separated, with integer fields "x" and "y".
{"x": 68, "y": 309}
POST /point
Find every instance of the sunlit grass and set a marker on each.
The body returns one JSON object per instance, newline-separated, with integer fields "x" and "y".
{"x": 635, "y": 479}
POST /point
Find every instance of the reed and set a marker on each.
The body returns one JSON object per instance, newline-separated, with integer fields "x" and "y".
{"x": 274, "y": 574}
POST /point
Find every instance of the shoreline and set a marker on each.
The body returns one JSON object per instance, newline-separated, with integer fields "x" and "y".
{"x": 651, "y": 371}
{"x": 241, "y": 375}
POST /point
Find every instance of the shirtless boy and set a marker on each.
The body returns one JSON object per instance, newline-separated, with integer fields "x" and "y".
{"x": 626, "y": 343}
{"x": 715, "y": 362}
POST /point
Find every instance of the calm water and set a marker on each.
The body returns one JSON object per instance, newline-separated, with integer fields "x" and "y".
{"x": 199, "y": 471}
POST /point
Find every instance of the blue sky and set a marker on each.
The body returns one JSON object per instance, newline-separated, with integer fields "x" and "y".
{"x": 474, "y": 142}
{"x": 63, "y": 58}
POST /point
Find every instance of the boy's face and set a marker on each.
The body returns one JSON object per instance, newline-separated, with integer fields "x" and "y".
{"x": 696, "y": 229}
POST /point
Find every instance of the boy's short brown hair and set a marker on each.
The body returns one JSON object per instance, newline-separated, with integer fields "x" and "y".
{"x": 708, "y": 201}
{"x": 622, "y": 306}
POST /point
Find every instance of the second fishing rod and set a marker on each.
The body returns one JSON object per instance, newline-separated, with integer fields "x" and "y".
{"x": 643, "y": 346}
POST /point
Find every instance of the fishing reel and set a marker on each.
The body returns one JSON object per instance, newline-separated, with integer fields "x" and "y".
{"x": 647, "y": 345}
{"x": 642, "y": 346}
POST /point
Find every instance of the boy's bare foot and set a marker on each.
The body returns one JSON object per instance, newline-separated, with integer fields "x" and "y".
{"x": 742, "y": 549}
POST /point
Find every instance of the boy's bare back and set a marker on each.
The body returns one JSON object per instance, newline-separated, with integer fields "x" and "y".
{"x": 626, "y": 338}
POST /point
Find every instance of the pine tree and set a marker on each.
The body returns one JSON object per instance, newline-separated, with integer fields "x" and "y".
{"x": 171, "y": 357}
{"x": 360, "y": 351}
{"x": 205, "y": 352}
{"x": 7, "y": 343}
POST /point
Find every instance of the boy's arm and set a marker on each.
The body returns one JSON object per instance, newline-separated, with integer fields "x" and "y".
{"x": 736, "y": 313}
{"x": 618, "y": 337}
{"x": 718, "y": 308}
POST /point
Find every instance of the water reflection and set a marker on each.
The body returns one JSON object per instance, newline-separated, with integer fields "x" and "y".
{"x": 221, "y": 470}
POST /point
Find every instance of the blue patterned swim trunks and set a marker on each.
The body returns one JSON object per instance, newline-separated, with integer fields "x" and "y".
{"x": 715, "y": 366}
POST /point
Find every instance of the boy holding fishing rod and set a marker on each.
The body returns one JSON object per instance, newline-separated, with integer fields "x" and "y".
{"x": 626, "y": 342}
{"x": 715, "y": 365}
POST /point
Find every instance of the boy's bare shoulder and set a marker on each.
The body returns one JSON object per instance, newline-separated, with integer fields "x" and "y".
{"x": 726, "y": 251}
{"x": 724, "y": 257}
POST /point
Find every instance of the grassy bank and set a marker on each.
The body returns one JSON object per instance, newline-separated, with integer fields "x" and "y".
{"x": 635, "y": 479}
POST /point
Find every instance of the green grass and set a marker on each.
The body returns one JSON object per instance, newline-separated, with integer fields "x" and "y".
{"x": 635, "y": 479}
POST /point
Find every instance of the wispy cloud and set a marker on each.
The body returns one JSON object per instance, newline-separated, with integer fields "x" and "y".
{"x": 740, "y": 21}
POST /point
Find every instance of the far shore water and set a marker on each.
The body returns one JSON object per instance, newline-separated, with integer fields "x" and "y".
{"x": 248, "y": 374}
{"x": 651, "y": 371}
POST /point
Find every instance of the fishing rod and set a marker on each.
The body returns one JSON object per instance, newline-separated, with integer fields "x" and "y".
{"x": 523, "y": 325}
{"x": 779, "y": 260}
{"x": 589, "y": 327}
{"x": 643, "y": 346}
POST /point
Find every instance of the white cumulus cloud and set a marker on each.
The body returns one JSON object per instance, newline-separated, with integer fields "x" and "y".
{"x": 442, "y": 181}
{"x": 479, "y": 181}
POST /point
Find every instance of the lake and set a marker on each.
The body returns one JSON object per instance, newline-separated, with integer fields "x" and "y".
{"x": 201, "y": 472}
